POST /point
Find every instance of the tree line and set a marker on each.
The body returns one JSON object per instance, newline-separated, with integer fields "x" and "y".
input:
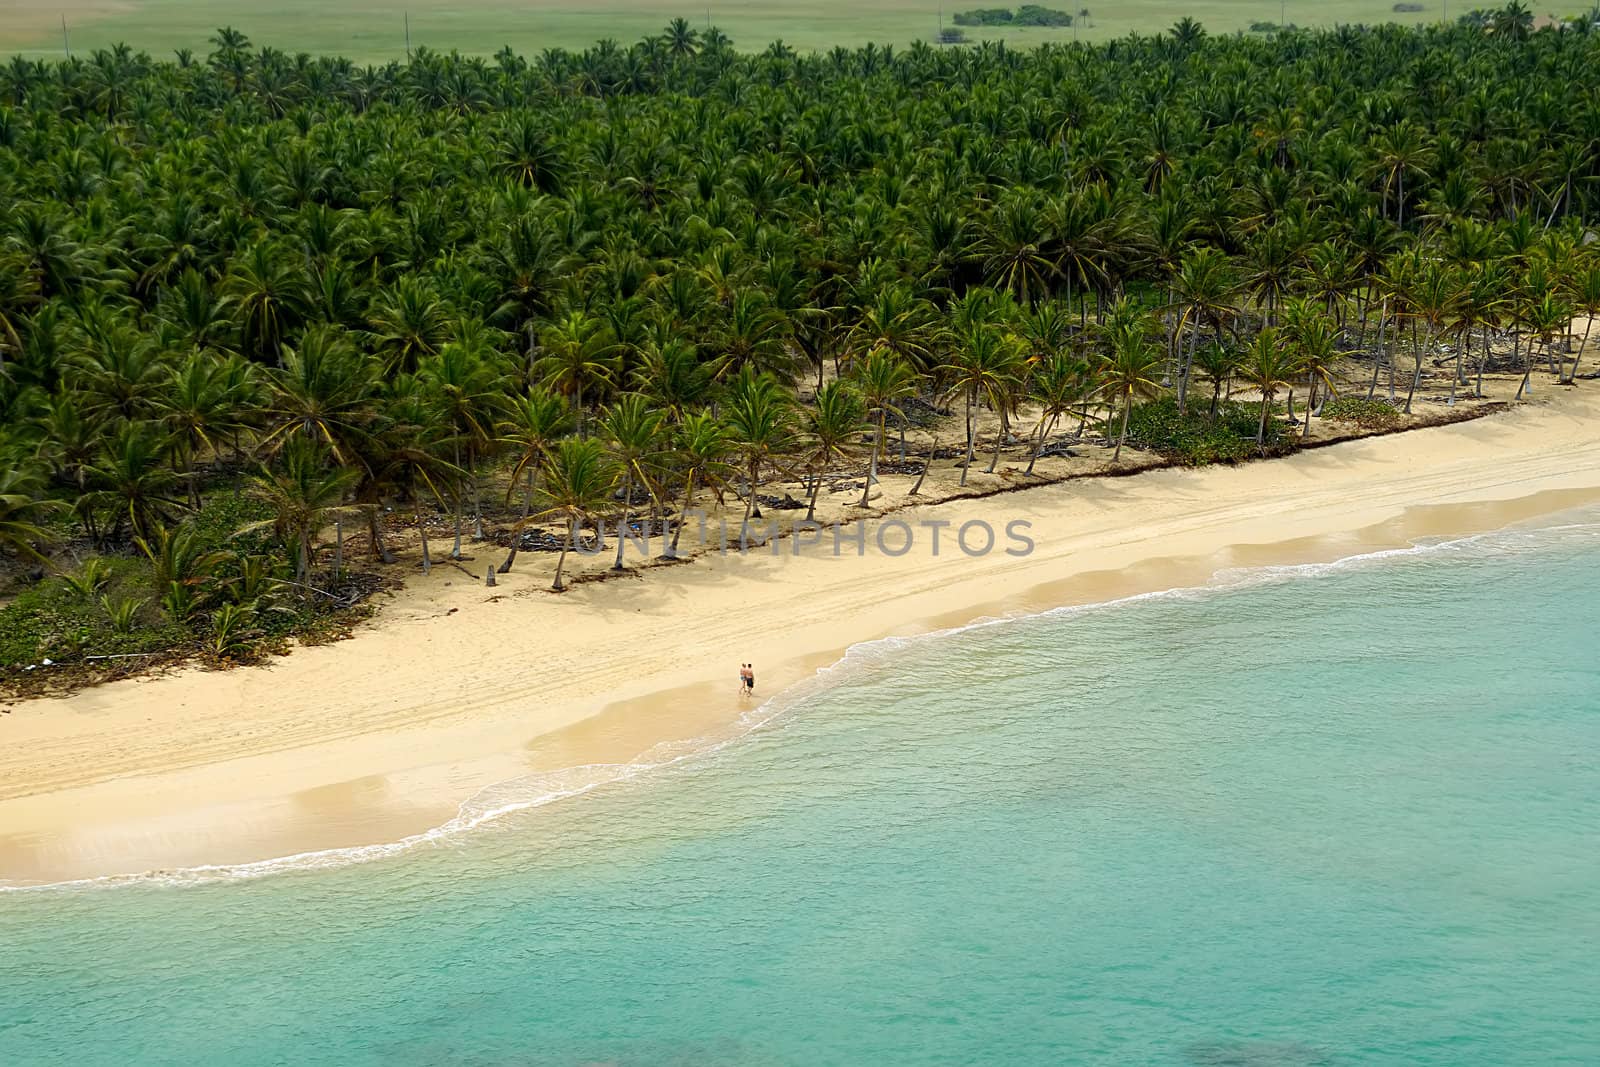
{"x": 295, "y": 291}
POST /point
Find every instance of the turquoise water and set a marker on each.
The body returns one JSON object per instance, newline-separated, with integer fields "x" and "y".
{"x": 1346, "y": 815}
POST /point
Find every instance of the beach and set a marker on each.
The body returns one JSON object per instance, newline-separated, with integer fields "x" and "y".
{"x": 457, "y": 687}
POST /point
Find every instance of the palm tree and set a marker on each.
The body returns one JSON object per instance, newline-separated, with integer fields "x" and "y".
{"x": 1433, "y": 294}
{"x": 884, "y": 379}
{"x": 633, "y": 428}
{"x": 578, "y": 480}
{"x": 1218, "y": 362}
{"x": 1060, "y": 382}
{"x": 984, "y": 366}
{"x": 1584, "y": 290}
{"x": 833, "y": 422}
{"x": 1268, "y": 365}
{"x": 701, "y": 444}
{"x": 1548, "y": 315}
{"x": 1204, "y": 289}
{"x": 760, "y": 423}
{"x": 532, "y": 425}
{"x": 269, "y": 298}
{"x": 207, "y": 401}
{"x": 1129, "y": 374}
{"x": 1400, "y": 149}
{"x": 409, "y": 323}
{"x": 22, "y": 510}
{"x": 577, "y": 357}
{"x": 304, "y": 495}
{"x": 324, "y": 391}
{"x": 132, "y": 484}
{"x": 467, "y": 389}
{"x": 1313, "y": 340}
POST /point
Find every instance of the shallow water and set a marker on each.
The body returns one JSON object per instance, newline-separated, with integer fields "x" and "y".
{"x": 1333, "y": 815}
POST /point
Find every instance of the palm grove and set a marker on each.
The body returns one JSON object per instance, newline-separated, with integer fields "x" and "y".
{"x": 249, "y": 298}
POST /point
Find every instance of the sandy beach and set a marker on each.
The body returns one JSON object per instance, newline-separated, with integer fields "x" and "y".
{"x": 457, "y": 687}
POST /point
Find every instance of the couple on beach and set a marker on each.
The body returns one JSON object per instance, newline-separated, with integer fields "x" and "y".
{"x": 747, "y": 680}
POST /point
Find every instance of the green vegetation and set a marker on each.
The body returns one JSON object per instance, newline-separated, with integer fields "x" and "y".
{"x": 369, "y": 33}
{"x": 1198, "y": 439}
{"x": 1368, "y": 414}
{"x": 1026, "y": 15}
{"x": 259, "y": 311}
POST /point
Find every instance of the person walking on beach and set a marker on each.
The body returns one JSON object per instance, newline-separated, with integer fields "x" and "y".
{"x": 746, "y": 680}
{"x": 749, "y": 679}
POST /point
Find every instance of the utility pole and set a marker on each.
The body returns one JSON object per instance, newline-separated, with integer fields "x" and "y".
{"x": 406, "y": 15}
{"x": 66, "y": 42}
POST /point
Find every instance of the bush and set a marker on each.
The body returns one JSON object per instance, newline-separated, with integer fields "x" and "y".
{"x": 1406, "y": 9}
{"x": 1026, "y": 15}
{"x": 1367, "y": 414}
{"x": 950, "y": 35}
{"x": 984, "y": 16}
{"x": 1196, "y": 441}
{"x": 1034, "y": 15}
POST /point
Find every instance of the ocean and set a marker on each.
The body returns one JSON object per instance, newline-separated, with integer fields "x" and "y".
{"x": 1327, "y": 815}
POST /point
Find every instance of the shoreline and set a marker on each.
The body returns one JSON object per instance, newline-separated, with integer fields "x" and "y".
{"x": 458, "y": 688}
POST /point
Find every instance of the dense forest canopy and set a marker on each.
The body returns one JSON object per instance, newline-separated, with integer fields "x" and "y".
{"x": 247, "y": 293}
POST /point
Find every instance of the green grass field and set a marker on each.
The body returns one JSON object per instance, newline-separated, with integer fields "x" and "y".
{"x": 373, "y": 30}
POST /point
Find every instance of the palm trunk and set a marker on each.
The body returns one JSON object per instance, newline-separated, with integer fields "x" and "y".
{"x": 527, "y": 507}
{"x": 422, "y": 528}
{"x": 1188, "y": 365}
{"x": 1418, "y": 354}
{"x": 872, "y": 464}
{"x": 1587, "y": 326}
{"x": 1122, "y": 438}
{"x": 1483, "y": 360}
{"x": 1261, "y": 424}
{"x": 932, "y": 451}
{"x": 477, "y": 497}
{"x": 1377, "y": 362}
{"x": 455, "y": 550}
{"x": 622, "y": 531}
{"x": 994, "y": 460}
{"x": 566, "y": 546}
{"x": 811, "y": 504}
{"x": 1046, "y": 424}
{"x": 968, "y": 463}
{"x": 683, "y": 515}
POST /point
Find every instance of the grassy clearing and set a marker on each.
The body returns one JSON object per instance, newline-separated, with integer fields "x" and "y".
{"x": 373, "y": 32}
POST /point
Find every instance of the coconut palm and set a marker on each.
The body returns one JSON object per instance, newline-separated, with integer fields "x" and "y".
{"x": 304, "y": 494}
{"x": 633, "y": 429}
{"x": 1060, "y": 382}
{"x": 1204, "y": 290}
{"x": 578, "y": 350}
{"x": 1269, "y": 364}
{"x": 701, "y": 445}
{"x": 577, "y": 481}
{"x": 1218, "y": 363}
{"x": 530, "y": 427}
{"x": 23, "y": 511}
{"x": 985, "y": 365}
{"x": 130, "y": 483}
{"x": 1128, "y": 374}
{"x": 760, "y": 418}
{"x": 833, "y": 422}
{"x": 883, "y": 379}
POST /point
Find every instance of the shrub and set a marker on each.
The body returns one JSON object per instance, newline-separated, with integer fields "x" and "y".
{"x": 1196, "y": 441}
{"x": 1406, "y": 9}
{"x": 1026, "y": 15}
{"x": 1368, "y": 414}
{"x": 1034, "y": 15}
{"x": 950, "y": 35}
{"x": 984, "y": 16}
